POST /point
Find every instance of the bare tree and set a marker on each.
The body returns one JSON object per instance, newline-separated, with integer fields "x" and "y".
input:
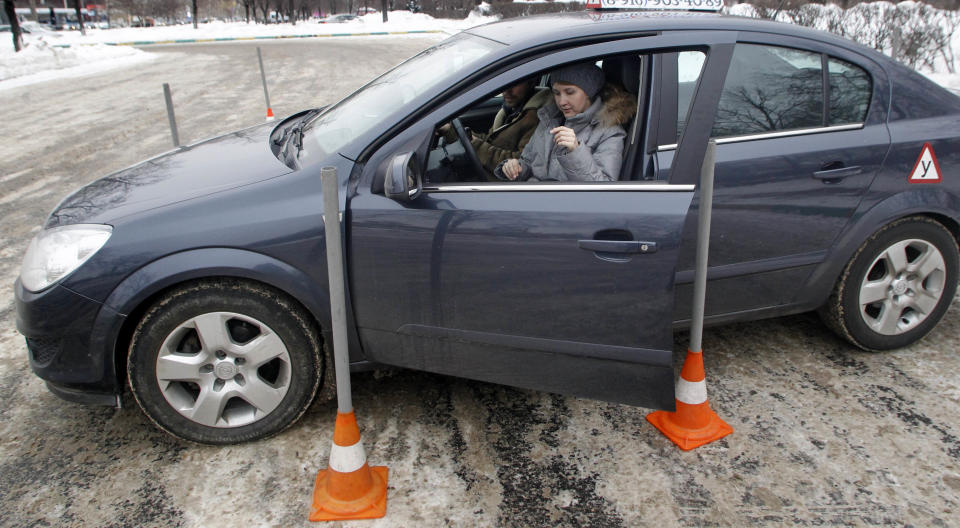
{"x": 264, "y": 6}
{"x": 195, "y": 21}
{"x": 135, "y": 8}
{"x": 11, "y": 10}
{"x": 944, "y": 39}
{"x": 76, "y": 7}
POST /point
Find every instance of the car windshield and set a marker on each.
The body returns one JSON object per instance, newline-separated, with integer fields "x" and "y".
{"x": 366, "y": 108}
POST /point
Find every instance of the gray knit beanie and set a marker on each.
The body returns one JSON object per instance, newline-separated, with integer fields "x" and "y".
{"x": 588, "y": 76}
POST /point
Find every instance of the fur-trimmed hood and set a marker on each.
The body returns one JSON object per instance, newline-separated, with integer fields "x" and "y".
{"x": 619, "y": 106}
{"x": 616, "y": 107}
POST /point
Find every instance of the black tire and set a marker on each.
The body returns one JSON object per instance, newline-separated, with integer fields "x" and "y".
{"x": 247, "y": 324}
{"x": 897, "y": 320}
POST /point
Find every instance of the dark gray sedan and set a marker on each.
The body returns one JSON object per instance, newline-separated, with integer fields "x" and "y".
{"x": 199, "y": 277}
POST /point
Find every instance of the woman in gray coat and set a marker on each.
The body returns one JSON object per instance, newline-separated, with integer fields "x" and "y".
{"x": 580, "y": 135}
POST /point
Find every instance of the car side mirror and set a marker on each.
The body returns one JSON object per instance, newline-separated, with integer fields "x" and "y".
{"x": 403, "y": 181}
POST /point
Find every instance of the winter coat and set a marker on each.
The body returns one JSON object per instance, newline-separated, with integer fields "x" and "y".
{"x": 508, "y": 136}
{"x": 599, "y": 133}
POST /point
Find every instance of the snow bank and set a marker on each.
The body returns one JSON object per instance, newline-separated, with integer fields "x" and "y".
{"x": 39, "y": 61}
{"x": 45, "y": 59}
{"x": 397, "y": 21}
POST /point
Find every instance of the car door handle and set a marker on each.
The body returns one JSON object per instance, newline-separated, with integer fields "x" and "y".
{"x": 835, "y": 175}
{"x": 618, "y": 246}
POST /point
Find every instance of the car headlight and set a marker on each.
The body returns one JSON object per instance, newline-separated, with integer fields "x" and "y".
{"x": 55, "y": 253}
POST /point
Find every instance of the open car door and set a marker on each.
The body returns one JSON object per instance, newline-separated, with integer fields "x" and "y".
{"x": 563, "y": 287}
{"x": 566, "y": 288}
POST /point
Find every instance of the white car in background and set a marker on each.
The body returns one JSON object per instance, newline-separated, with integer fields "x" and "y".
{"x": 340, "y": 19}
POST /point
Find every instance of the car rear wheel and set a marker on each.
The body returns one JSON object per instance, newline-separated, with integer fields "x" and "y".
{"x": 223, "y": 362}
{"x": 897, "y": 287}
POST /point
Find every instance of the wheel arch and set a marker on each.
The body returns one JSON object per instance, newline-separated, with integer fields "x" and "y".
{"x": 931, "y": 202}
{"x": 129, "y": 301}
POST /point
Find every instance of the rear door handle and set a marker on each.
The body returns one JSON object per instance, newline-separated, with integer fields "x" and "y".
{"x": 618, "y": 246}
{"x": 835, "y": 175}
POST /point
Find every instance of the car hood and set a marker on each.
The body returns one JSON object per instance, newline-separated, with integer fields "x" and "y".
{"x": 214, "y": 165}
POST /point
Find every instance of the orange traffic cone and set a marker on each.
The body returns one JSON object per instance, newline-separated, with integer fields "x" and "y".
{"x": 269, "y": 114}
{"x": 349, "y": 488}
{"x": 694, "y": 423}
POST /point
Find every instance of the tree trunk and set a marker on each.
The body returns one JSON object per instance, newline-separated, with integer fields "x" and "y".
{"x": 195, "y": 21}
{"x": 293, "y": 13}
{"x": 11, "y": 10}
{"x": 76, "y": 6}
{"x": 383, "y": 7}
{"x": 33, "y": 10}
{"x": 246, "y": 11}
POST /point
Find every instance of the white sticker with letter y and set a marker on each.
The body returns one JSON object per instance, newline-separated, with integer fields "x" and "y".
{"x": 926, "y": 170}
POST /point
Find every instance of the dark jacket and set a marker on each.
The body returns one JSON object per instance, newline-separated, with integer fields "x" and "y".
{"x": 508, "y": 136}
{"x": 599, "y": 132}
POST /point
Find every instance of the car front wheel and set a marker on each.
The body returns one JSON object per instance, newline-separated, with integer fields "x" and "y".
{"x": 223, "y": 362}
{"x": 897, "y": 287}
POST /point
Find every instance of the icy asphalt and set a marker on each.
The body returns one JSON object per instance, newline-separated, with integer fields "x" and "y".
{"x": 824, "y": 434}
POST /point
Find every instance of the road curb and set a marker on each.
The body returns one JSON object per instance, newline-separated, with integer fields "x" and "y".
{"x": 264, "y": 37}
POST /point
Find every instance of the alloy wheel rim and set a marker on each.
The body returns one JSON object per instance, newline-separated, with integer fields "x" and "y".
{"x": 902, "y": 287}
{"x": 223, "y": 369}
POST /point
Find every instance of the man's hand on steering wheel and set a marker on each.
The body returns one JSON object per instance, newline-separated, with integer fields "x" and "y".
{"x": 464, "y": 136}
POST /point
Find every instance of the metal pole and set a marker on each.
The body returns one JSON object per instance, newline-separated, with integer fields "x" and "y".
{"x": 170, "y": 116}
{"x": 703, "y": 247}
{"x": 338, "y": 298}
{"x": 263, "y": 77}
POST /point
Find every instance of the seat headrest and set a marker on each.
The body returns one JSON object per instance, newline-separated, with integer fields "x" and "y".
{"x": 624, "y": 70}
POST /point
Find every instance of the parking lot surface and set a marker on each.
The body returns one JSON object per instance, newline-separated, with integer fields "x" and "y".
{"x": 824, "y": 434}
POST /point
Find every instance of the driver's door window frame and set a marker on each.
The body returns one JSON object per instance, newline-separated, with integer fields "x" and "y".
{"x": 717, "y": 45}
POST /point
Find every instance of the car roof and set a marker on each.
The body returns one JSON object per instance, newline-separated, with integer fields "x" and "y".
{"x": 530, "y": 31}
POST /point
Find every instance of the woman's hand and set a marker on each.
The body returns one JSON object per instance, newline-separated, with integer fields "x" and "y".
{"x": 512, "y": 169}
{"x": 565, "y": 137}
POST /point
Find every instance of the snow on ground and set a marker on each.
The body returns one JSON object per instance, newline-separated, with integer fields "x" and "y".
{"x": 44, "y": 57}
{"x": 39, "y": 61}
{"x": 398, "y": 21}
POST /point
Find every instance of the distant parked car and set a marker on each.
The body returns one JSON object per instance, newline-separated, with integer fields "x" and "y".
{"x": 34, "y": 28}
{"x": 31, "y": 28}
{"x": 339, "y": 19}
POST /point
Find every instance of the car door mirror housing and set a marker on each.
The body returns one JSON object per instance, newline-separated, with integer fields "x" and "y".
{"x": 403, "y": 181}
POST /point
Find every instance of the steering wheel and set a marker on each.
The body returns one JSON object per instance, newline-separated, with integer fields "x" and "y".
{"x": 467, "y": 146}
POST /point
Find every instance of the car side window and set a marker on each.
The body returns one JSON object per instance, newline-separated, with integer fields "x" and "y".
{"x": 769, "y": 89}
{"x": 689, "y": 68}
{"x": 850, "y": 91}
{"x": 492, "y": 134}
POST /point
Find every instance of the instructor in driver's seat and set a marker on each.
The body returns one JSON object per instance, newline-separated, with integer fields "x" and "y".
{"x": 512, "y": 127}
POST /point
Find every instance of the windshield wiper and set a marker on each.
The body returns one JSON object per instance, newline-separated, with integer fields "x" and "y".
{"x": 294, "y": 135}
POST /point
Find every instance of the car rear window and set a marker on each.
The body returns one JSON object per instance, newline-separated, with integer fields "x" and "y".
{"x": 769, "y": 89}
{"x": 849, "y": 92}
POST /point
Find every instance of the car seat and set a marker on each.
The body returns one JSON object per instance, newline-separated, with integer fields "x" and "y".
{"x": 624, "y": 70}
